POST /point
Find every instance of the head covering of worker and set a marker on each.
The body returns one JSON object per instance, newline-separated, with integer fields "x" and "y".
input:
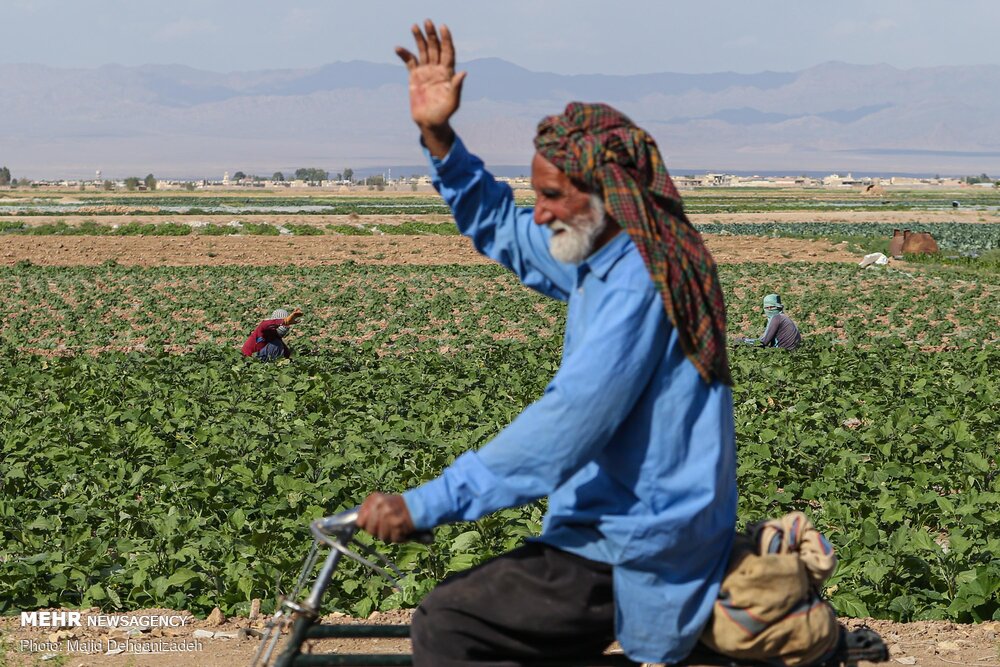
{"x": 601, "y": 149}
{"x": 772, "y": 305}
{"x": 281, "y": 314}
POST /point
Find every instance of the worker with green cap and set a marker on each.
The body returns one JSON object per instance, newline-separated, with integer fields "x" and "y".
{"x": 781, "y": 330}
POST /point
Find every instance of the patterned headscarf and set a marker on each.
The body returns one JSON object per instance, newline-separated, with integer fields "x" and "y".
{"x": 602, "y": 149}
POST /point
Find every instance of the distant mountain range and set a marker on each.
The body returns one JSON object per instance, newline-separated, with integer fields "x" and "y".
{"x": 179, "y": 122}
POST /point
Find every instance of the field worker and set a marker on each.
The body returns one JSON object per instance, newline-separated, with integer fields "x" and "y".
{"x": 267, "y": 342}
{"x": 780, "y": 330}
{"x": 632, "y": 441}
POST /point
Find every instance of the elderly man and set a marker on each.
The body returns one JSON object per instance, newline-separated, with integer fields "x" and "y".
{"x": 632, "y": 441}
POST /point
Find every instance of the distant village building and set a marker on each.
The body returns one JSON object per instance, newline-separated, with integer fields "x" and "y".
{"x": 686, "y": 182}
{"x": 836, "y": 180}
{"x": 874, "y": 186}
{"x": 704, "y": 181}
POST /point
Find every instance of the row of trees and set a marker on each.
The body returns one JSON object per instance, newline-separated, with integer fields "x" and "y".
{"x": 132, "y": 183}
{"x": 310, "y": 174}
{"x": 240, "y": 176}
{"x": 6, "y": 179}
{"x": 315, "y": 175}
{"x": 982, "y": 178}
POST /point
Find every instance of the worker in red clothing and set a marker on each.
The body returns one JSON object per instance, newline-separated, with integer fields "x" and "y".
{"x": 266, "y": 342}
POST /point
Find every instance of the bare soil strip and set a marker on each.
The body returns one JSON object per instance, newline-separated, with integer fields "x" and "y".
{"x": 197, "y": 250}
{"x": 227, "y": 644}
{"x": 964, "y": 215}
{"x": 223, "y": 219}
{"x": 901, "y": 218}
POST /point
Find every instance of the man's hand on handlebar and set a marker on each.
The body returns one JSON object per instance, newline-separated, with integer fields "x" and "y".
{"x": 386, "y": 517}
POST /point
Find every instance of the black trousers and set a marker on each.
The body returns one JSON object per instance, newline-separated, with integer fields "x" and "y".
{"x": 533, "y": 603}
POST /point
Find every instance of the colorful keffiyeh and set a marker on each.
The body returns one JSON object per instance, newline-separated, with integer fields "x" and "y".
{"x": 602, "y": 149}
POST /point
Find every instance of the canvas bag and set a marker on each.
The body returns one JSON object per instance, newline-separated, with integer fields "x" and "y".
{"x": 769, "y": 607}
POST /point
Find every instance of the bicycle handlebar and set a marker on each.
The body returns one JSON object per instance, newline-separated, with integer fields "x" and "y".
{"x": 340, "y": 526}
{"x": 343, "y": 525}
{"x": 332, "y": 525}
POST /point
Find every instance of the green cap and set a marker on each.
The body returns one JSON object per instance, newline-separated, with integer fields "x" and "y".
{"x": 773, "y": 301}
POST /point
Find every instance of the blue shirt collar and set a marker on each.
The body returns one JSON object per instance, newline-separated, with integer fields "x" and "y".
{"x": 601, "y": 262}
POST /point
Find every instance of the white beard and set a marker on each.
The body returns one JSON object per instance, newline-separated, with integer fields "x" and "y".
{"x": 575, "y": 240}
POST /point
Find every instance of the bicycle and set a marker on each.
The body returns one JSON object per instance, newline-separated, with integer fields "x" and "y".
{"x": 337, "y": 532}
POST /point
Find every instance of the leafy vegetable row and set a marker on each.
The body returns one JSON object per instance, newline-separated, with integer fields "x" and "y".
{"x": 186, "y": 481}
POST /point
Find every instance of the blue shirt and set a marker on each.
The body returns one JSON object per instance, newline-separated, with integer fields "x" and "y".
{"x": 634, "y": 450}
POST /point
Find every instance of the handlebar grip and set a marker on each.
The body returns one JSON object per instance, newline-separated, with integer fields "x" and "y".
{"x": 338, "y": 522}
{"x": 347, "y": 521}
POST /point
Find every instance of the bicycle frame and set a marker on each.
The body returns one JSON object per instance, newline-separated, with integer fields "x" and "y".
{"x": 337, "y": 532}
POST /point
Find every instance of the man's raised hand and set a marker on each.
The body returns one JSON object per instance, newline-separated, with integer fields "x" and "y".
{"x": 435, "y": 88}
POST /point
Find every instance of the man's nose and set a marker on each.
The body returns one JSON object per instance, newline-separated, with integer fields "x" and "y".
{"x": 543, "y": 216}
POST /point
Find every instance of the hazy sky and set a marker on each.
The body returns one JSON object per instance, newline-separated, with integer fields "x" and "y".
{"x": 564, "y": 36}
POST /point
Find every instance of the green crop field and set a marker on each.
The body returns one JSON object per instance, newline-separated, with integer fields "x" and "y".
{"x": 965, "y": 238}
{"x": 757, "y": 200}
{"x": 55, "y": 310}
{"x": 145, "y": 463}
{"x": 968, "y": 237}
{"x": 318, "y": 202}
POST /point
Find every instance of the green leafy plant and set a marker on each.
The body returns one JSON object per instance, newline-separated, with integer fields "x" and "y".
{"x": 146, "y": 463}
{"x": 304, "y": 230}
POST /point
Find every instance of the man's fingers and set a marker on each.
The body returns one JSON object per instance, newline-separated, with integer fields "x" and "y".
{"x": 363, "y": 512}
{"x": 447, "y": 48}
{"x": 433, "y": 45}
{"x": 456, "y": 82}
{"x": 418, "y": 37}
{"x": 370, "y": 512}
{"x": 383, "y": 528}
{"x": 394, "y": 532}
{"x": 408, "y": 58}
{"x": 375, "y": 526}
